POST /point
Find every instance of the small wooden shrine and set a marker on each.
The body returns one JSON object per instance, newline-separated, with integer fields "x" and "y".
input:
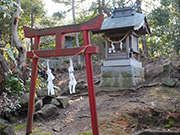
{"x": 121, "y": 67}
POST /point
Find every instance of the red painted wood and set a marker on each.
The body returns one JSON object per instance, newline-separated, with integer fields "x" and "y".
{"x": 90, "y": 25}
{"x": 32, "y": 89}
{"x": 91, "y": 89}
{"x": 62, "y": 52}
{"x": 93, "y": 24}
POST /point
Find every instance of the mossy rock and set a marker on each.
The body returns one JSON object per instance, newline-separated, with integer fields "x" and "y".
{"x": 126, "y": 74}
{"x": 117, "y": 82}
{"x": 169, "y": 82}
{"x": 108, "y": 73}
{"x": 128, "y": 82}
{"x": 106, "y": 82}
{"x": 6, "y": 129}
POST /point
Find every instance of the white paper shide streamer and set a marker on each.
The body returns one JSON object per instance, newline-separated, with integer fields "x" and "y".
{"x": 50, "y": 80}
{"x": 72, "y": 80}
{"x": 112, "y": 49}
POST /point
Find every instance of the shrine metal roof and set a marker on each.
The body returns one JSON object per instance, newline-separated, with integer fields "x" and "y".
{"x": 136, "y": 21}
{"x": 122, "y": 22}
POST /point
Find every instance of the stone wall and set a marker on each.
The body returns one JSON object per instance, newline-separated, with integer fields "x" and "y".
{"x": 121, "y": 77}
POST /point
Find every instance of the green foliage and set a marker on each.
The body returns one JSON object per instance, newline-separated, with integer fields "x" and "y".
{"x": 164, "y": 22}
{"x": 159, "y": 17}
{"x": 29, "y": 8}
{"x": 59, "y": 14}
{"x": 7, "y": 103}
{"x": 6, "y": 7}
{"x": 10, "y": 54}
{"x": 14, "y": 86}
{"x": 66, "y": 2}
{"x": 48, "y": 42}
{"x": 40, "y": 83}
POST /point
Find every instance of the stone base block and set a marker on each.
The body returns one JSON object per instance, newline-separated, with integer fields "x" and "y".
{"x": 121, "y": 77}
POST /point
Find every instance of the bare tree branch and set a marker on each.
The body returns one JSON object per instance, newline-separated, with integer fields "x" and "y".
{"x": 20, "y": 48}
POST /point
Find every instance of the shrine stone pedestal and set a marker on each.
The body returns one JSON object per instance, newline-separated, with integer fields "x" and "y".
{"x": 121, "y": 73}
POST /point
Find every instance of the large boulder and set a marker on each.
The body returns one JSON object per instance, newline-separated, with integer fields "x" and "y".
{"x": 42, "y": 92}
{"x": 6, "y": 129}
{"x": 24, "y": 100}
{"x": 81, "y": 85}
{"x": 48, "y": 110}
{"x": 63, "y": 100}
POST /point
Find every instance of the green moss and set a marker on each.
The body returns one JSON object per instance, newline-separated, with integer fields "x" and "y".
{"x": 106, "y": 82}
{"x": 36, "y": 124}
{"x": 2, "y": 126}
{"x": 126, "y": 74}
{"x": 170, "y": 124}
{"x": 43, "y": 133}
{"x": 37, "y": 130}
{"x": 107, "y": 74}
{"x": 85, "y": 133}
{"x": 166, "y": 91}
{"x": 127, "y": 82}
{"x": 167, "y": 126}
{"x": 117, "y": 82}
{"x": 120, "y": 132}
{"x": 19, "y": 126}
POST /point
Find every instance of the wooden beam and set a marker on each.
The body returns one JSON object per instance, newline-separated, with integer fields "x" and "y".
{"x": 62, "y": 52}
{"x": 90, "y": 25}
{"x": 116, "y": 34}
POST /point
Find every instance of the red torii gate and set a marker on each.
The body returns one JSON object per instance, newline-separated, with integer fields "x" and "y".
{"x": 59, "y": 32}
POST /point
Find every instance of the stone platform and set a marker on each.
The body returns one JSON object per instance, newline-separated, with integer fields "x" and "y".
{"x": 122, "y": 74}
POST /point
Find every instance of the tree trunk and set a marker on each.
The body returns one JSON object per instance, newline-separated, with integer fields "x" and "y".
{"x": 143, "y": 38}
{"x": 104, "y": 9}
{"x": 74, "y": 19}
{"x": 145, "y": 48}
{"x": 20, "y": 48}
{"x": 3, "y": 62}
{"x": 138, "y": 2}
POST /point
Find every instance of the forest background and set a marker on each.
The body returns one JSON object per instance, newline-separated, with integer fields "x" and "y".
{"x": 163, "y": 18}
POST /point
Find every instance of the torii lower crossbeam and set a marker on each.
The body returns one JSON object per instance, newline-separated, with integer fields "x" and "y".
{"x": 60, "y": 50}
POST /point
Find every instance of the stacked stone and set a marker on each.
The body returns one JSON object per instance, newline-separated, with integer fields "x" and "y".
{"x": 122, "y": 77}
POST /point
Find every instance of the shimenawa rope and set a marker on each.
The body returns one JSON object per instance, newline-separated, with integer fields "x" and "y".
{"x": 60, "y": 59}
